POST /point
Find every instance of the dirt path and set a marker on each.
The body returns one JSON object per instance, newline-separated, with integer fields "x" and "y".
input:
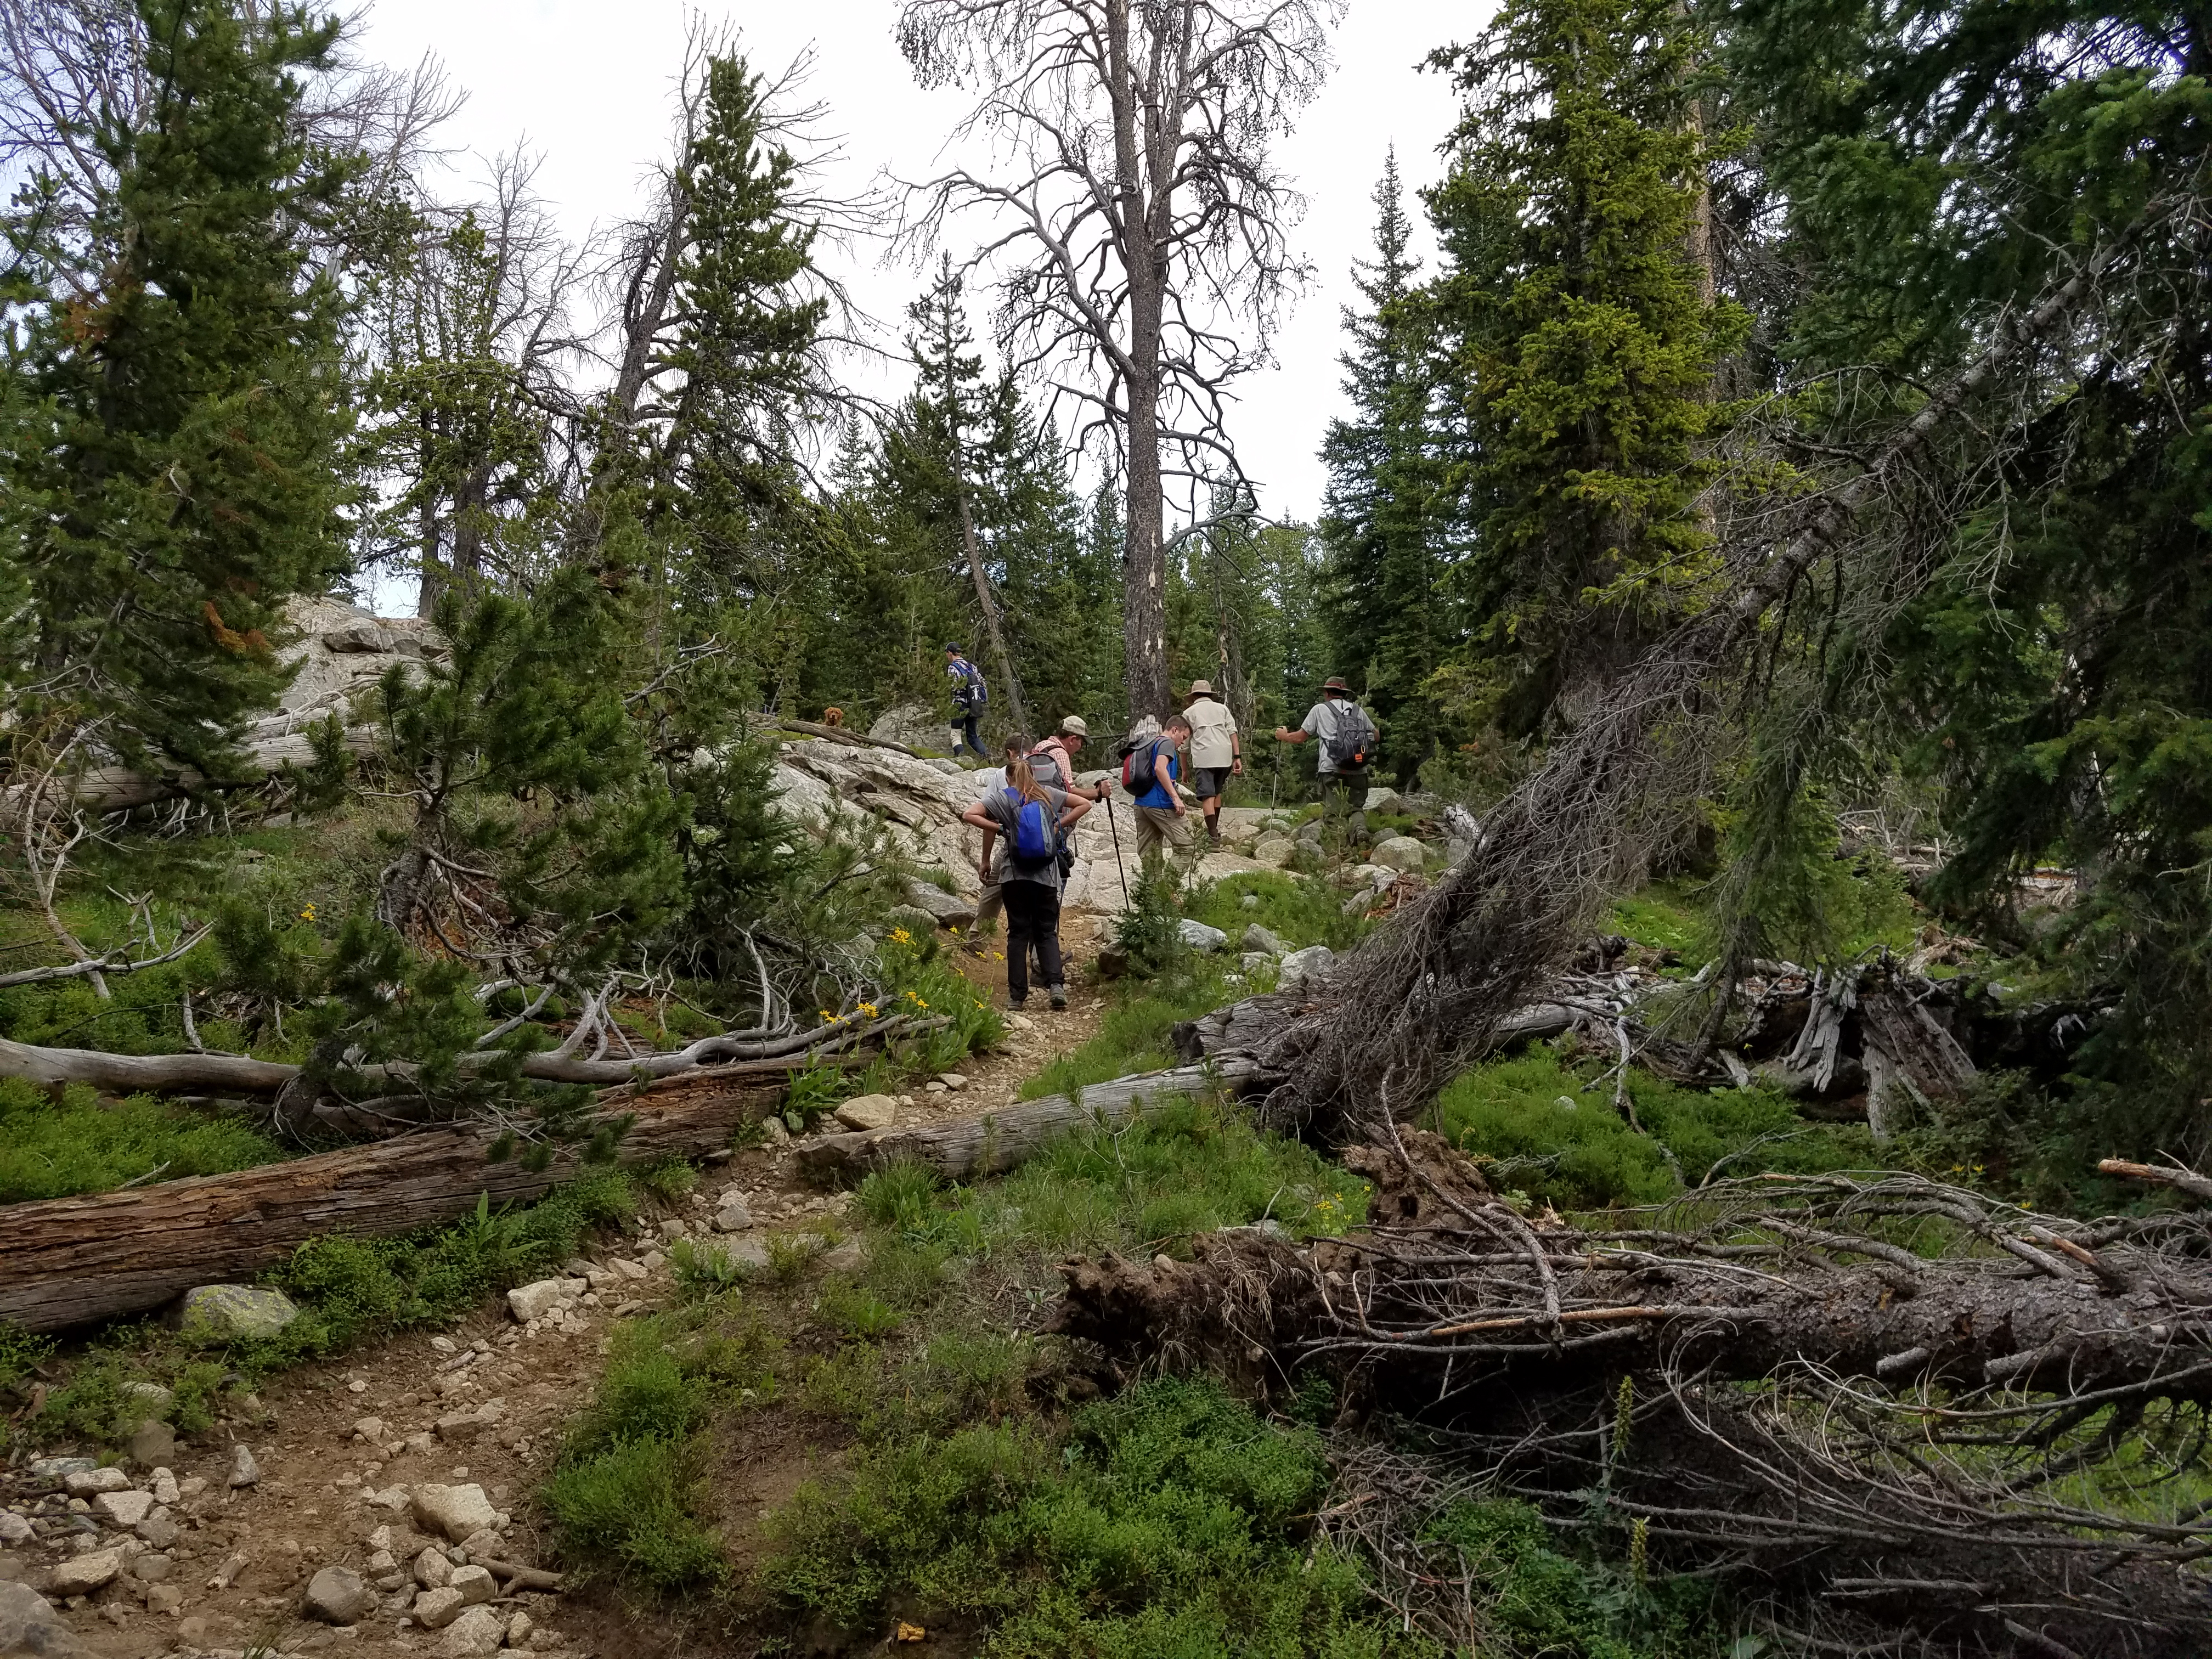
{"x": 343, "y": 1448}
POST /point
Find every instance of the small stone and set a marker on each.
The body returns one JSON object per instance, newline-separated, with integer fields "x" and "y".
{"x": 867, "y": 1112}
{"x": 1381, "y": 800}
{"x": 164, "y": 1599}
{"x": 165, "y": 1489}
{"x": 1400, "y": 853}
{"x": 339, "y": 1595}
{"x": 481, "y": 1544}
{"x": 192, "y": 1485}
{"x": 83, "y": 1574}
{"x": 369, "y": 1428}
{"x": 151, "y": 1445}
{"x": 773, "y": 1133}
{"x": 396, "y": 1498}
{"x": 357, "y": 1386}
{"x": 628, "y": 1269}
{"x": 244, "y": 1471}
{"x": 847, "y": 1258}
{"x": 1197, "y": 936}
{"x": 519, "y": 1629}
{"x": 152, "y": 1395}
{"x": 435, "y": 1610}
{"x": 1253, "y": 960}
{"x": 1257, "y": 937}
{"x": 475, "y": 1632}
{"x": 226, "y": 1312}
{"x": 31, "y": 1626}
{"x": 58, "y": 1468}
{"x": 742, "y": 1254}
{"x": 952, "y": 1080}
{"x": 13, "y": 1528}
{"x": 453, "y": 1512}
{"x": 158, "y": 1529}
{"x": 152, "y": 1566}
{"x": 431, "y": 1569}
{"x": 652, "y": 1261}
{"x": 442, "y": 1344}
{"x": 933, "y": 1087}
{"x": 84, "y": 1483}
{"x": 674, "y": 1228}
{"x": 124, "y": 1509}
{"x": 475, "y": 1584}
{"x": 733, "y": 1217}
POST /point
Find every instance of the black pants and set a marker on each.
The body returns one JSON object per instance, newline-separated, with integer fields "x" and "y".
{"x": 1032, "y": 920}
{"x": 966, "y": 726}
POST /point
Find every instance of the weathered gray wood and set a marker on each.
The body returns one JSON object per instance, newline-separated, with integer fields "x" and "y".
{"x": 967, "y": 1149}
{"x": 67, "y": 1261}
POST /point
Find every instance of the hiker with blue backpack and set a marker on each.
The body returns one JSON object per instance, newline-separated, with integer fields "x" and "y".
{"x": 1348, "y": 741}
{"x": 969, "y": 697}
{"x": 1149, "y": 772}
{"x": 1027, "y": 818}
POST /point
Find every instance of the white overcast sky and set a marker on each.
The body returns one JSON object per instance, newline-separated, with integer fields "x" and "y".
{"x": 587, "y": 83}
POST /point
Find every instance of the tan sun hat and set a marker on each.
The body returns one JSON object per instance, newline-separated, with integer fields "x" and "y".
{"x": 1073, "y": 727}
{"x": 1201, "y": 688}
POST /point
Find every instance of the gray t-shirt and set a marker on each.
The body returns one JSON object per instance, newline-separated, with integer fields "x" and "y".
{"x": 1001, "y": 806}
{"x": 1322, "y": 722}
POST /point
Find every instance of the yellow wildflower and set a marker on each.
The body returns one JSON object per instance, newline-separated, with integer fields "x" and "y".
{"x": 900, "y": 936}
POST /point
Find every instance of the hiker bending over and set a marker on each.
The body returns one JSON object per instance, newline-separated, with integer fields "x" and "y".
{"x": 1217, "y": 753}
{"x": 970, "y": 695}
{"x": 1149, "y": 774}
{"x": 1026, "y": 817}
{"x": 1348, "y": 741}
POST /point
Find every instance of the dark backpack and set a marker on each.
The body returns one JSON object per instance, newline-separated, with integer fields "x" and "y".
{"x": 971, "y": 693}
{"x": 1352, "y": 745}
{"x": 1140, "y": 768}
{"x": 1031, "y": 845}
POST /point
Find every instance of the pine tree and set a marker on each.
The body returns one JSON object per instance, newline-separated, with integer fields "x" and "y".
{"x": 174, "y": 465}
{"x": 1386, "y": 579}
{"x": 1581, "y": 339}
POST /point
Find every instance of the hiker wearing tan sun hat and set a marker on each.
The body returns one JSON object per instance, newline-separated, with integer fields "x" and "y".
{"x": 1217, "y": 752}
{"x": 1348, "y": 737}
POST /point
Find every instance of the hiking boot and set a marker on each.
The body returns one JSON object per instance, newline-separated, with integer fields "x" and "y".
{"x": 1059, "y": 994}
{"x": 1015, "y": 1005}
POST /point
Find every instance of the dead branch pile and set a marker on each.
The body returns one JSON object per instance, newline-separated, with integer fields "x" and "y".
{"x": 1885, "y": 1400}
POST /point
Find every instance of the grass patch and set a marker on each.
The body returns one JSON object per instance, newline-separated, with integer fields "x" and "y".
{"x": 1135, "y": 1034}
{"x": 1555, "y": 1138}
{"x": 1666, "y": 916}
{"x": 1300, "y": 910}
{"x": 58, "y": 1149}
{"x": 1186, "y": 1166}
{"x": 1168, "y": 1522}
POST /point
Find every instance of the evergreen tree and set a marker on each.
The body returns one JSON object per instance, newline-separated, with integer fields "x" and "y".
{"x": 1386, "y": 582}
{"x": 173, "y": 463}
{"x": 1581, "y": 336}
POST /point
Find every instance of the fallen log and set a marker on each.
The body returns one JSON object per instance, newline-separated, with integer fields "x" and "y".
{"x": 717, "y": 1057}
{"x": 967, "y": 1149}
{"x": 68, "y": 1260}
{"x": 1869, "y": 1386}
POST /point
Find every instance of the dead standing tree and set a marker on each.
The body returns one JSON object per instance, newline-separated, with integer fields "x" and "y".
{"x": 1141, "y": 221}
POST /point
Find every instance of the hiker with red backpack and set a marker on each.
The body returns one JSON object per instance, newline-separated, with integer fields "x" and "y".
{"x": 1149, "y": 773}
{"x": 1348, "y": 742}
{"x": 1029, "y": 818}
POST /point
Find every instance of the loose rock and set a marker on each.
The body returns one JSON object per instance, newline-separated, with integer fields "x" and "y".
{"x": 868, "y": 1112}
{"x": 733, "y": 1216}
{"x": 226, "y": 1312}
{"x": 152, "y": 1443}
{"x": 435, "y": 1610}
{"x": 453, "y": 1512}
{"x": 947, "y": 909}
{"x": 83, "y": 1574}
{"x": 158, "y": 1529}
{"x": 30, "y": 1625}
{"x": 1257, "y": 937}
{"x": 339, "y": 1595}
{"x": 13, "y": 1528}
{"x": 244, "y": 1471}
{"x": 1199, "y": 937}
{"x": 124, "y": 1509}
{"x": 535, "y": 1301}
{"x": 848, "y": 1258}
{"x": 475, "y": 1632}
{"x": 84, "y": 1483}
{"x": 952, "y": 1080}
{"x": 164, "y": 1487}
{"x": 1305, "y": 968}
{"x": 431, "y": 1569}
{"x": 1400, "y": 853}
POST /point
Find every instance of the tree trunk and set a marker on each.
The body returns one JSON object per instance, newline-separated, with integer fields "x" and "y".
{"x": 67, "y": 1261}
{"x": 989, "y": 606}
{"x": 968, "y": 1149}
{"x": 1144, "y": 563}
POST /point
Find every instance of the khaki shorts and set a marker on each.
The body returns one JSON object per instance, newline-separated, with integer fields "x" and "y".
{"x": 1162, "y": 827}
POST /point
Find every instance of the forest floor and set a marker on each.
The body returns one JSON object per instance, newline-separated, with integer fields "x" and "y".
{"x": 235, "y": 1579}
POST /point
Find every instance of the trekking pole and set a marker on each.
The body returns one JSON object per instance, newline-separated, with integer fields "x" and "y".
{"x": 1276, "y": 787}
{"x": 1120, "y": 868}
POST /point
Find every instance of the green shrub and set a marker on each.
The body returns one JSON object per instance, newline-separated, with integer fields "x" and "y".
{"x": 630, "y": 1508}
{"x": 1170, "y": 1522}
{"x": 56, "y": 1149}
{"x": 1567, "y": 1146}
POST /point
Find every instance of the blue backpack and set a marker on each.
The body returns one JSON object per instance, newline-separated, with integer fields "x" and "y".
{"x": 1031, "y": 844}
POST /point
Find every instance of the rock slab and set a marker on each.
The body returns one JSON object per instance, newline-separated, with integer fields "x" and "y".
{"x": 81, "y": 1575}
{"x": 535, "y": 1301}
{"x": 1400, "y": 853}
{"x": 865, "y": 1112}
{"x": 1199, "y": 937}
{"x": 1306, "y": 967}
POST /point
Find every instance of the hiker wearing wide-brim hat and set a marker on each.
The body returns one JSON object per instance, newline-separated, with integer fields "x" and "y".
{"x": 1217, "y": 752}
{"x": 1348, "y": 740}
